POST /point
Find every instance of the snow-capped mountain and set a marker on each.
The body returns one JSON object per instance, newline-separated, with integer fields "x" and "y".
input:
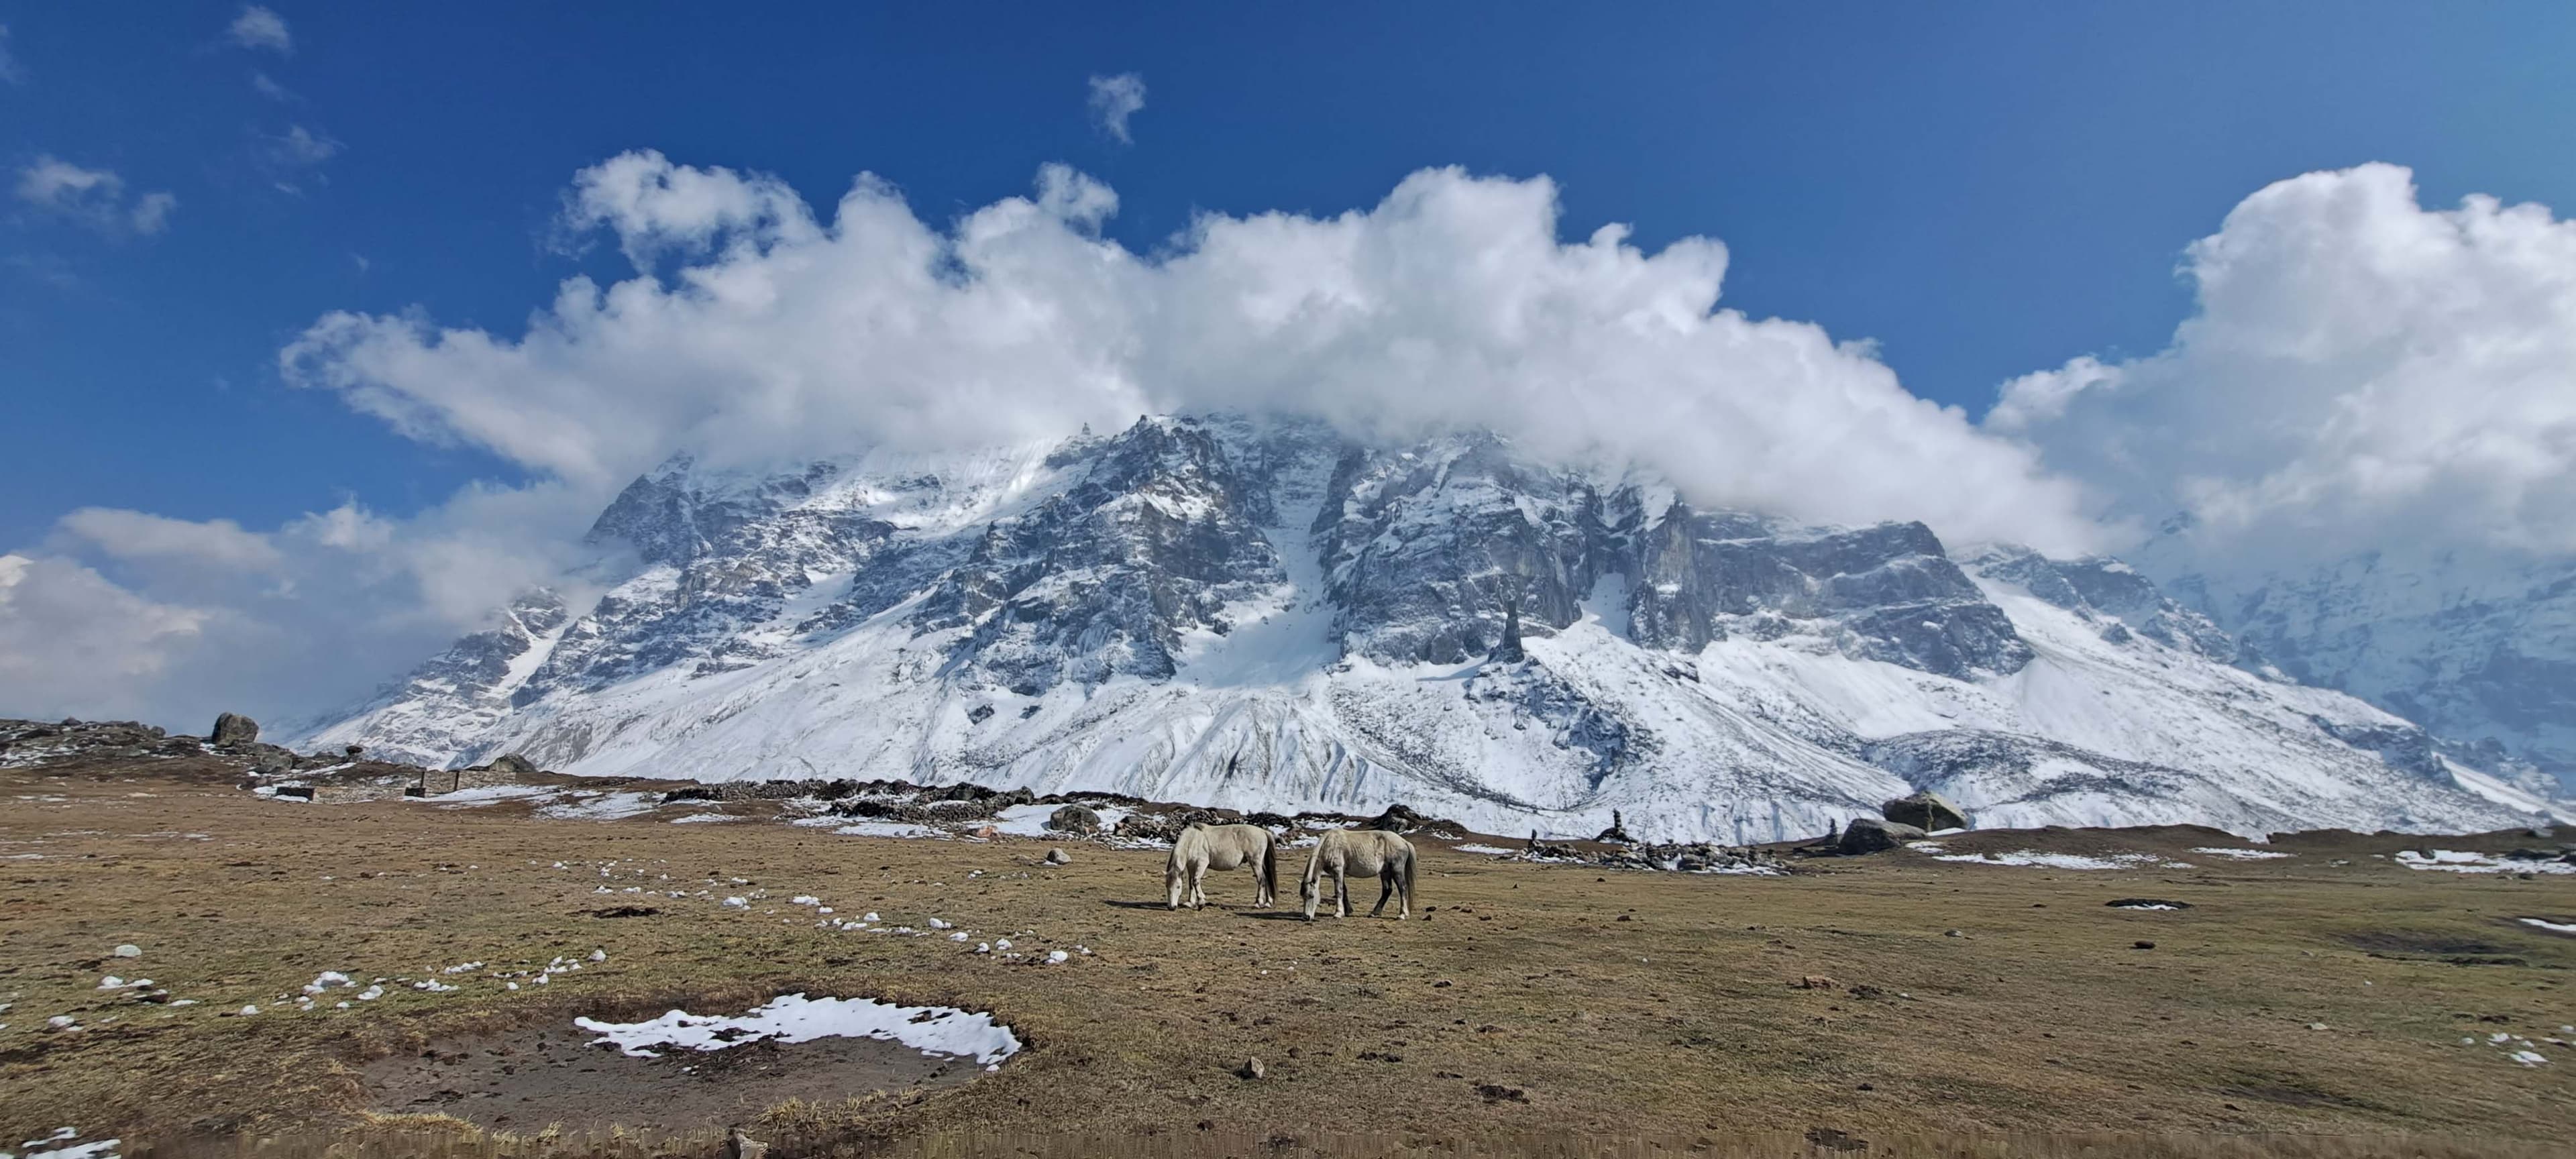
{"x": 2482, "y": 653}
{"x": 1260, "y": 614}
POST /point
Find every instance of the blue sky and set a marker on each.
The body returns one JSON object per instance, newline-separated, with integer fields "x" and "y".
{"x": 1984, "y": 189}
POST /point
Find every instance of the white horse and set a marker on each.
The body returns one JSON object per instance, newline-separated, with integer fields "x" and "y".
{"x": 1344, "y": 852}
{"x": 1203, "y": 847}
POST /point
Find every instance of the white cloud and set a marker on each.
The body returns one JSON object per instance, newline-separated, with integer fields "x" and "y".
{"x": 93, "y": 197}
{"x": 2361, "y": 373}
{"x": 1114, "y": 99}
{"x": 10, "y": 72}
{"x": 71, "y": 641}
{"x": 258, "y": 27}
{"x": 121, "y": 613}
{"x": 268, "y": 87}
{"x": 133, "y": 535}
{"x": 300, "y": 146}
{"x": 1450, "y": 303}
{"x": 53, "y": 182}
{"x": 151, "y": 212}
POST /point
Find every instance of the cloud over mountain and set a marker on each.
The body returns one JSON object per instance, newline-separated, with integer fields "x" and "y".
{"x": 2362, "y": 372}
{"x": 756, "y": 329}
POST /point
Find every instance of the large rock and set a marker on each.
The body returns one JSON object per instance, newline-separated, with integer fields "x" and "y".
{"x": 232, "y": 728}
{"x": 1396, "y": 819}
{"x": 1073, "y": 819}
{"x": 514, "y": 765}
{"x": 1871, "y": 835}
{"x": 1925, "y": 810}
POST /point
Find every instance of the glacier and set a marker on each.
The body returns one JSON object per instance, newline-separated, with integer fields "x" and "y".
{"x": 1260, "y": 613}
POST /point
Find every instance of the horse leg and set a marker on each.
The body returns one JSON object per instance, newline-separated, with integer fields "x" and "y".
{"x": 1198, "y": 886}
{"x": 1385, "y": 890}
{"x": 1341, "y": 892}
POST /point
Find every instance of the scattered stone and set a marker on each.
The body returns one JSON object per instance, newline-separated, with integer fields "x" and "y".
{"x": 2143, "y": 945}
{"x": 1815, "y": 982}
{"x": 1057, "y": 856}
{"x": 2316, "y": 1026}
{"x": 1925, "y": 810}
{"x": 1498, "y": 1093}
{"x": 129, "y": 950}
{"x": 1829, "y": 1139}
{"x": 1252, "y": 1069}
{"x": 742, "y": 1146}
{"x": 1871, "y": 835}
{"x": 1074, "y": 819}
{"x": 1952, "y": 934}
{"x": 232, "y": 728}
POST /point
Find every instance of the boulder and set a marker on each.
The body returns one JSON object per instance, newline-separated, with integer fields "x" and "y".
{"x": 1074, "y": 819}
{"x": 1396, "y": 819}
{"x": 1057, "y": 856}
{"x": 232, "y": 728}
{"x": 1871, "y": 835}
{"x": 514, "y": 765}
{"x": 1926, "y": 810}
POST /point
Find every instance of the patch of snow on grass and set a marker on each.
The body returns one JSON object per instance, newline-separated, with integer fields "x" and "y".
{"x": 887, "y": 829}
{"x": 2242, "y": 854}
{"x": 2455, "y": 861}
{"x": 469, "y": 798}
{"x": 602, "y": 807}
{"x": 704, "y": 817}
{"x": 1030, "y": 820}
{"x": 60, "y": 1145}
{"x": 2062, "y": 860}
{"x": 793, "y": 1018}
{"x": 2552, "y": 927}
{"x": 1496, "y": 850}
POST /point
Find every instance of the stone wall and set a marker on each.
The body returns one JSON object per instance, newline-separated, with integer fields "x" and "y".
{"x": 439, "y": 782}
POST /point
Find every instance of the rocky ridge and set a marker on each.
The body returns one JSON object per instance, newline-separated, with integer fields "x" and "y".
{"x": 1261, "y": 615}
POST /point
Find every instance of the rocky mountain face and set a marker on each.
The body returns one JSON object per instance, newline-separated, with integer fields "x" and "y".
{"x": 1261, "y": 614}
{"x": 2482, "y": 654}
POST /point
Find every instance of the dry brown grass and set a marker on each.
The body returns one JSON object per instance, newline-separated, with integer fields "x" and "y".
{"x": 2040, "y": 1032}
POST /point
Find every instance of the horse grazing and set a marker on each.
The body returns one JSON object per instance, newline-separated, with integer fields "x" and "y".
{"x": 1202, "y": 847}
{"x": 1344, "y": 852}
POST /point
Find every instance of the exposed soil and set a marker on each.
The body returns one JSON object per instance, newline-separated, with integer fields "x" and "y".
{"x": 538, "y": 1077}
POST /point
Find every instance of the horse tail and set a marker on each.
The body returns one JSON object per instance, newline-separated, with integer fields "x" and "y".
{"x": 1412, "y": 858}
{"x": 1270, "y": 865}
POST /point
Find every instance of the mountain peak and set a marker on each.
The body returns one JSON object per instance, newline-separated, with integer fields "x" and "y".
{"x": 1260, "y": 613}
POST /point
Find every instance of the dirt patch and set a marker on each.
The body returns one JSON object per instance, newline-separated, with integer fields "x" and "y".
{"x": 2457, "y": 951}
{"x": 529, "y": 1079}
{"x": 2428, "y": 945}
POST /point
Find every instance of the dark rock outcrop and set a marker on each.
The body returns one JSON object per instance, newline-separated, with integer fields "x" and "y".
{"x": 1074, "y": 819}
{"x": 1871, "y": 835}
{"x": 1925, "y": 810}
{"x": 232, "y": 728}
